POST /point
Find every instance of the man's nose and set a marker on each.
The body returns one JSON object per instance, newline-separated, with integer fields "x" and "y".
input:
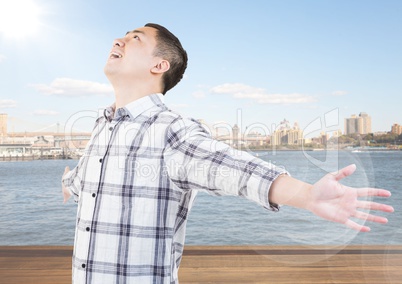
{"x": 118, "y": 42}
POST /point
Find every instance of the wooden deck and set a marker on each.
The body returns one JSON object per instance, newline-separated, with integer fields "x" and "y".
{"x": 229, "y": 264}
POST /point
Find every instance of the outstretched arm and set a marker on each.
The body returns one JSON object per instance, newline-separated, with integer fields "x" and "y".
{"x": 329, "y": 199}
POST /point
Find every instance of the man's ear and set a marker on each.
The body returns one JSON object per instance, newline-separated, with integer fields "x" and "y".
{"x": 161, "y": 67}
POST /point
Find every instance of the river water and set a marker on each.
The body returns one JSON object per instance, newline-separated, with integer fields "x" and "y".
{"x": 32, "y": 211}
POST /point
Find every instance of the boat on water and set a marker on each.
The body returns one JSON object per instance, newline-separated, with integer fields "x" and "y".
{"x": 371, "y": 149}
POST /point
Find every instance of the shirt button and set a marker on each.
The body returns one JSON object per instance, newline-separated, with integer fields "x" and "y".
{"x": 100, "y": 160}
{"x": 110, "y": 128}
{"x": 93, "y": 195}
{"x": 83, "y": 265}
{"x": 87, "y": 229}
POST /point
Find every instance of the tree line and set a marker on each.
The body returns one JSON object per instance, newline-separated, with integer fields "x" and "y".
{"x": 370, "y": 139}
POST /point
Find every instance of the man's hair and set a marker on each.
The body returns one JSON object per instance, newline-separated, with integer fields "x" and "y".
{"x": 169, "y": 48}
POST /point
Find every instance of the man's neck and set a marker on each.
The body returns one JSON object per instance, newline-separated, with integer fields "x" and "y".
{"x": 126, "y": 95}
{"x": 127, "y": 90}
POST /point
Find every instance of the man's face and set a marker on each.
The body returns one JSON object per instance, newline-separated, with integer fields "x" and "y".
{"x": 132, "y": 55}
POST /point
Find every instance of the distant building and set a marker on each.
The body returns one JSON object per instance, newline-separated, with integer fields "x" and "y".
{"x": 43, "y": 143}
{"x": 396, "y": 129}
{"x": 235, "y": 138}
{"x": 235, "y": 135}
{"x": 15, "y": 149}
{"x": 358, "y": 124}
{"x": 337, "y": 133}
{"x": 380, "y": 133}
{"x": 287, "y": 135}
{"x": 256, "y": 139}
{"x": 366, "y": 123}
{"x": 351, "y": 125}
{"x": 322, "y": 139}
{"x": 3, "y": 124}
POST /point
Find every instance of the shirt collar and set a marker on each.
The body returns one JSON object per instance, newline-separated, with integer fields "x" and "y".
{"x": 134, "y": 108}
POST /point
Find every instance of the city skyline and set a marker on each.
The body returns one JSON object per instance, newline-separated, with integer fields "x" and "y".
{"x": 61, "y": 145}
{"x": 253, "y": 128}
{"x": 298, "y": 60}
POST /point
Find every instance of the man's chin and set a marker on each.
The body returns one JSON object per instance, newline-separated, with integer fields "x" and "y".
{"x": 109, "y": 71}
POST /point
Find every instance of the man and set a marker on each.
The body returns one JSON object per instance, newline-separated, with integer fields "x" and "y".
{"x": 144, "y": 164}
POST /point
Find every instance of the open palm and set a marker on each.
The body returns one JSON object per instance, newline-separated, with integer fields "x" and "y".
{"x": 339, "y": 203}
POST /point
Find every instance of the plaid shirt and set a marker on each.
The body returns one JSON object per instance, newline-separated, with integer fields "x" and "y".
{"x": 135, "y": 186}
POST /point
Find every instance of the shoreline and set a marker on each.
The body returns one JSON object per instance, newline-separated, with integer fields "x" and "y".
{"x": 34, "y": 158}
{"x": 28, "y": 158}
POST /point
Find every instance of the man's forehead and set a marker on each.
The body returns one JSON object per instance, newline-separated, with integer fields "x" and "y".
{"x": 147, "y": 31}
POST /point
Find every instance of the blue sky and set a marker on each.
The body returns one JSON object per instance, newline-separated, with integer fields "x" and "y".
{"x": 250, "y": 62}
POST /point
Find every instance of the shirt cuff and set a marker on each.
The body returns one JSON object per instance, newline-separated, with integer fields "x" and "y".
{"x": 263, "y": 178}
{"x": 72, "y": 184}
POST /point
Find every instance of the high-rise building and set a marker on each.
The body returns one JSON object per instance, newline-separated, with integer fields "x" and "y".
{"x": 396, "y": 129}
{"x": 286, "y": 135}
{"x": 235, "y": 135}
{"x": 358, "y": 124}
{"x": 295, "y": 137}
{"x": 351, "y": 125}
{"x": 366, "y": 123}
{"x": 3, "y": 124}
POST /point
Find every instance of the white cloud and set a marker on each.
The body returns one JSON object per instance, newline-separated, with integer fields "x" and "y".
{"x": 339, "y": 93}
{"x": 260, "y": 95}
{"x": 45, "y": 112}
{"x": 8, "y": 104}
{"x": 73, "y": 88}
{"x": 199, "y": 95}
{"x": 2, "y": 58}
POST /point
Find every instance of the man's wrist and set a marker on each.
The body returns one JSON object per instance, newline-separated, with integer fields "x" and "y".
{"x": 286, "y": 190}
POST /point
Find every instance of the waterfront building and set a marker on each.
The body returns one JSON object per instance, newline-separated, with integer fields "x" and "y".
{"x": 351, "y": 125}
{"x": 39, "y": 144}
{"x": 287, "y": 135}
{"x": 3, "y": 125}
{"x": 320, "y": 140}
{"x": 380, "y": 133}
{"x": 358, "y": 124}
{"x": 396, "y": 129}
{"x": 235, "y": 135}
{"x": 256, "y": 139}
{"x": 15, "y": 149}
{"x": 366, "y": 123}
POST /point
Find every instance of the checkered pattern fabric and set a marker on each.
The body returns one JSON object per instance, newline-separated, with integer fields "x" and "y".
{"x": 136, "y": 184}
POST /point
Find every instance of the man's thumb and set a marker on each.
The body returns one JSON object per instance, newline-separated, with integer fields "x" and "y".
{"x": 346, "y": 171}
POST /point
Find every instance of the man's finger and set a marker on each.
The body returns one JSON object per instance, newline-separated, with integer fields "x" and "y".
{"x": 369, "y": 191}
{"x": 346, "y": 171}
{"x": 369, "y": 217}
{"x": 370, "y": 205}
{"x": 353, "y": 225}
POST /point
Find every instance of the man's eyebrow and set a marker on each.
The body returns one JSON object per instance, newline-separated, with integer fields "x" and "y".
{"x": 135, "y": 31}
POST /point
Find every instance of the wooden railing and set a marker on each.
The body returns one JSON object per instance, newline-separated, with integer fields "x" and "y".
{"x": 228, "y": 264}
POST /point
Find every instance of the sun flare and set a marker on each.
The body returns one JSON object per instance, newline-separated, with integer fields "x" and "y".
{"x": 19, "y": 19}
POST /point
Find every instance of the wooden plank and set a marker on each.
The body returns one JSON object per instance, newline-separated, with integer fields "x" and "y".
{"x": 229, "y": 264}
{"x": 369, "y": 264}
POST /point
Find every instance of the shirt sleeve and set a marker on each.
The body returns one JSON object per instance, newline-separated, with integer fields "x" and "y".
{"x": 196, "y": 161}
